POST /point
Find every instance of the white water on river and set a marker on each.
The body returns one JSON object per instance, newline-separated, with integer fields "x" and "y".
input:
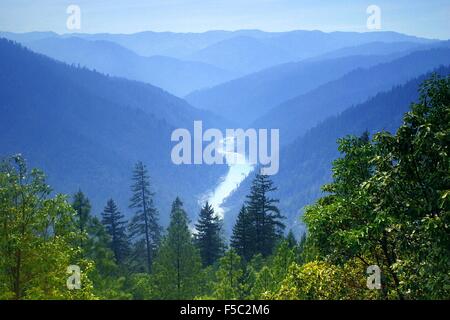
{"x": 237, "y": 172}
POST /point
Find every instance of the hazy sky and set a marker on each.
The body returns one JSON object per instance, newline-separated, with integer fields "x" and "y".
{"x": 428, "y": 18}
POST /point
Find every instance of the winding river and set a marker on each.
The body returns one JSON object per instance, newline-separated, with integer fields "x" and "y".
{"x": 237, "y": 172}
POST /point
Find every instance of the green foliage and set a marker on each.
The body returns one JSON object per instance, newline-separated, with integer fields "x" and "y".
{"x": 258, "y": 227}
{"x": 388, "y": 202}
{"x": 388, "y": 205}
{"x": 208, "y": 237}
{"x": 82, "y": 206}
{"x": 268, "y": 279}
{"x": 115, "y": 225}
{"x": 242, "y": 239}
{"x": 229, "y": 285}
{"x": 322, "y": 281}
{"x": 108, "y": 278}
{"x": 145, "y": 231}
{"x": 290, "y": 238}
{"x": 142, "y": 286}
{"x": 177, "y": 265}
{"x": 39, "y": 238}
{"x": 265, "y": 215}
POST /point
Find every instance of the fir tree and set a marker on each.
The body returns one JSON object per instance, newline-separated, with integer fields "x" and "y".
{"x": 209, "y": 239}
{"x": 115, "y": 225}
{"x": 145, "y": 230}
{"x": 268, "y": 227}
{"x": 243, "y": 237}
{"x": 177, "y": 265}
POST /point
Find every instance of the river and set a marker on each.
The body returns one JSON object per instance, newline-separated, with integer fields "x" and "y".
{"x": 237, "y": 172}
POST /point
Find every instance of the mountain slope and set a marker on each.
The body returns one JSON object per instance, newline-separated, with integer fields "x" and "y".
{"x": 176, "y": 76}
{"x": 218, "y": 46}
{"x": 250, "y": 52}
{"x": 372, "y": 48}
{"x": 86, "y": 130}
{"x": 255, "y": 94}
{"x": 294, "y": 117}
{"x": 242, "y": 55}
{"x": 305, "y": 164}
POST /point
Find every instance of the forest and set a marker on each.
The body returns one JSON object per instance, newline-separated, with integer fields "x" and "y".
{"x": 388, "y": 204}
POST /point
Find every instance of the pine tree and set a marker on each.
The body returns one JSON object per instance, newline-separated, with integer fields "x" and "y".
{"x": 208, "y": 238}
{"x": 177, "y": 265}
{"x": 243, "y": 238}
{"x": 115, "y": 225}
{"x": 95, "y": 243}
{"x": 144, "y": 227}
{"x": 268, "y": 228}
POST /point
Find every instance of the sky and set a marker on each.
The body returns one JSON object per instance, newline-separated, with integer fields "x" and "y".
{"x": 424, "y": 18}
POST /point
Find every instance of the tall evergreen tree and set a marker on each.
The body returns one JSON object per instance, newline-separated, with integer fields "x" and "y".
{"x": 96, "y": 245}
{"x": 209, "y": 239}
{"x": 177, "y": 266}
{"x": 145, "y": 230}
{"x": 243, "y": 237}
{"x": 115, "y": 225}
{"x": 268, "y": 228}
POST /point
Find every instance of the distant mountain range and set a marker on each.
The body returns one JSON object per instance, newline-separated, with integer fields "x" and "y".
{"x": 305, "y": 164}
{"x": 300, "y": 43}
{"x": 255, "y": 94}
{"x": 87, "y": 130}
{"x": 184, "y": 62}
{"x": 295, "y": 116}
{"x": 176, "y": 76}
{"x": 120, "y": 96}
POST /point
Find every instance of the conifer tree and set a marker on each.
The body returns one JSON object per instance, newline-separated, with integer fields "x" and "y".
{"x": 115, "y": 225}
{"x": 208, "y": 238}
{"x": 177, "y": 265}
{"x": 145, "y": 230}
{"x": 95, "y": 242}
{"x": 268, "y": 228}
{"x": 243, "y": 237}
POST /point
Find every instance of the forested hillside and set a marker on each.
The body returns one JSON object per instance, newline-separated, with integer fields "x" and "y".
{"x": 305, "y": 164}
{"x": 387, "y": 204}
{"x": 176, "y": 76}
{"x": 256, "y": 94}
{"x": 87, "y": 130}
{"x": 295, "y": 116}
